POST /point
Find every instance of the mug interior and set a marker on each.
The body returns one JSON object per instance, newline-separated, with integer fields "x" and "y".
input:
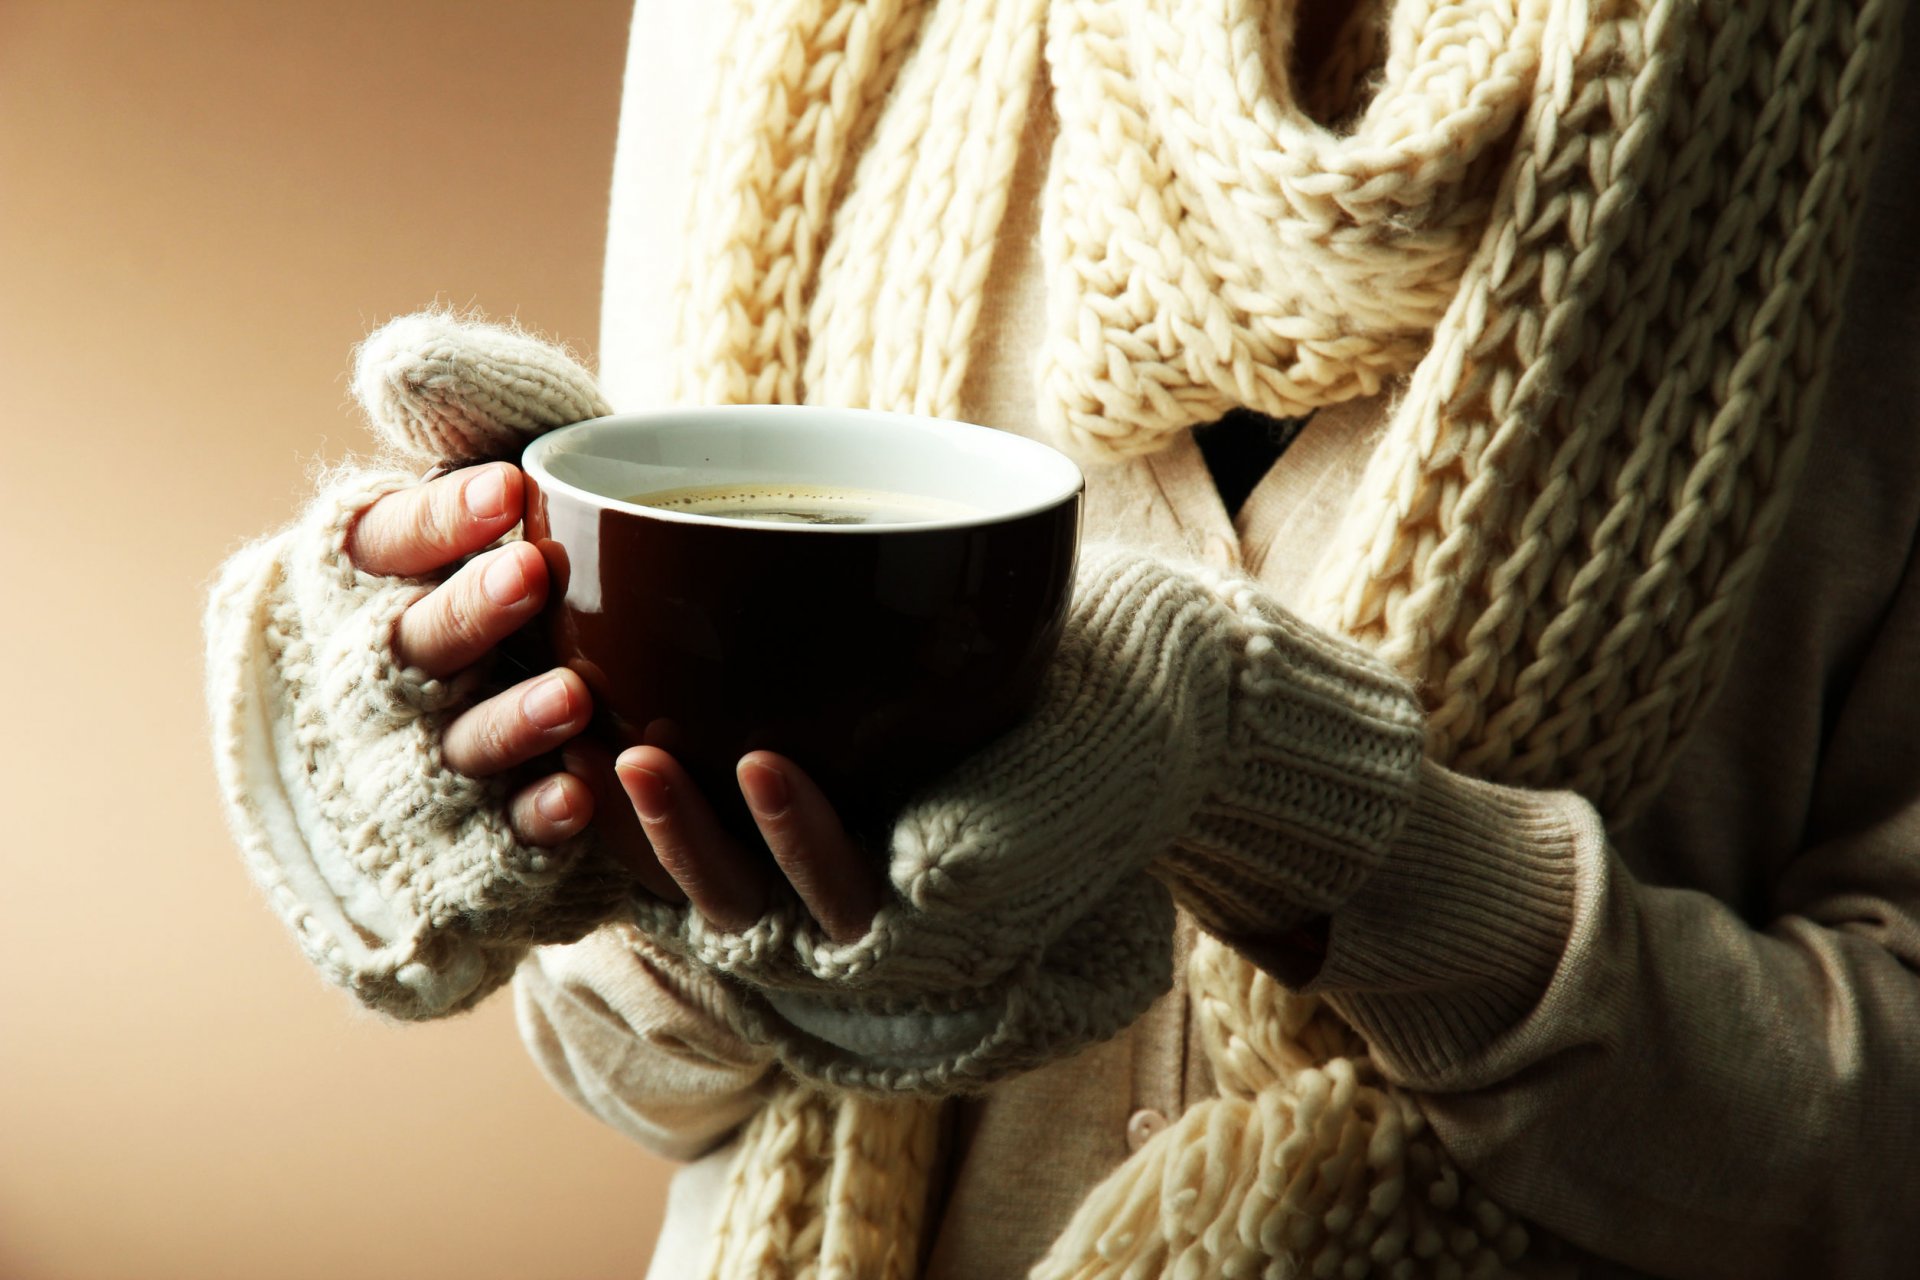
{"x": 993, "y": 475}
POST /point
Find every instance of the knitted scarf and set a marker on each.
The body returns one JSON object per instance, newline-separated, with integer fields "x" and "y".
{"x": 1603, "y": 242}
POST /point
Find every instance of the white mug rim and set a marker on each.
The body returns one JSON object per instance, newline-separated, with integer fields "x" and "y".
{"x": 1072, "y": 482}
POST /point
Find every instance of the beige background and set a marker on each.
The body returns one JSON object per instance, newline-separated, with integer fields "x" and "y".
{"x": 202, "y": 207}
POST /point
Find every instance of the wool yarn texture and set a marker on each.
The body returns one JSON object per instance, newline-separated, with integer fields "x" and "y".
{"x": 1598, "y": 248}
{"x": 1178, "y": 712}
{"x": 440, "y": 388}
{"x": 409, "y": 888}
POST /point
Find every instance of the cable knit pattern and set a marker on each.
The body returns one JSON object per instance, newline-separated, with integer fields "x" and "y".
{"x": 805, "y": 81}
{"x": 1240, "y": 252}
{"x": 892, "y": 317}
{"x": 401, "y": 878}
{"x": 1604, "y": 243}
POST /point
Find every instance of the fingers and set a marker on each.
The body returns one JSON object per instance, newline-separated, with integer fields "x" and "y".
{"x": 729, "y": 884}
{"x": 838, "y": 883}
{"x": 617, "y": 825}
{"x": 725, "y": 883}
{"x": 510, "y": 728}
{"x": 428, "y": 527}
{"x": 464, "y": 617}
{"x": 551, "y": 810}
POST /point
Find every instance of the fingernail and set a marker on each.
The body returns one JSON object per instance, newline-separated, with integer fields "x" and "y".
{"x": 553, "y": 804}
{"x": 486, "y": 494}
{"x": 765, "y": 790}
{"x": 547, "y": 704}
{"x": 648, "y": 790}
{"x": 505, "y": 582}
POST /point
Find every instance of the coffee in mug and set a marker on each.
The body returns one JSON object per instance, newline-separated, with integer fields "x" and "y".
{"x": 875, "y": 653}
{"x": 790, "y": 503}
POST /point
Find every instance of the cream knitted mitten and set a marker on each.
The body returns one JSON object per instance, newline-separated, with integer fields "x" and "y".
{"x": 1190, "y": 729}
{"x": 401, "y": 879}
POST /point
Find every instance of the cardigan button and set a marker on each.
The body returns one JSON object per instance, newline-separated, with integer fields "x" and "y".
{"x": 1141, "y": 1127}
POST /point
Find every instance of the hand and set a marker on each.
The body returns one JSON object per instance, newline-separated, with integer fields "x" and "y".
{"x": 732, "y": 886}
{"x": 383, "y": 813}
{"x": 1191, "y": 739}
{"x": 422, "y": 531}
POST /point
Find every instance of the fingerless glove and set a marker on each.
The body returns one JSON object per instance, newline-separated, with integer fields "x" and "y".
{"x": 401, "y": 878}
{"x": 1192, "y": 736}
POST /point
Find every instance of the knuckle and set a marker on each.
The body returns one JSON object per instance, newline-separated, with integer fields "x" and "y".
{"x": 463, "y": 617}
{"x": 432, "y": 525}
{"x": 673, "y": 855}
{"x": 477, "y": 743}
{"x": 498, "y": 737}
{"x": 445, "y": 514}
{"x": 368, "y": 538}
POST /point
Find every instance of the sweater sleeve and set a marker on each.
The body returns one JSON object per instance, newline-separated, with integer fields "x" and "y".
{"x": 639, "y": 1039}
{"x": 1651, "y": 1073}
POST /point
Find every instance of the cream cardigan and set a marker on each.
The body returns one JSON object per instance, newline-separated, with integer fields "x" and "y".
{"x": 1712, "y": 1079}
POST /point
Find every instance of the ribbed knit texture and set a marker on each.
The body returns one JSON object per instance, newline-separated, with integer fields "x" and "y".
{"x": 1604, "y": 244}
{"x": 1470, "y": 913}
{"x": 1320, "y": 763}
{"x": 440, "y": 388}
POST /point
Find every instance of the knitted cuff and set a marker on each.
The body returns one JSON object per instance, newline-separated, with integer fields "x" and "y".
{"x": 1452, "y": 941}
{"x": 909, "y": 956}
{"x": 1087, "y": 986}
{"x": 1320, "y": 770}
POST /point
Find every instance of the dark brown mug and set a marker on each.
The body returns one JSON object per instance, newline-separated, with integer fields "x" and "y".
{"x": 875, "y": 655}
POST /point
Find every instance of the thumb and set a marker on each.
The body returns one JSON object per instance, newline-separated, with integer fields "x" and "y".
{"x": 439, "y": 388}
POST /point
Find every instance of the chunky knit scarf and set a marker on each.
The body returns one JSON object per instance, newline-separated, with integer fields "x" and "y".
{"x": 1602, "y": 241}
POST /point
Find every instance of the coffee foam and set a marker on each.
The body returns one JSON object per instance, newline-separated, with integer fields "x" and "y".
{"x": 805, "y": 504}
